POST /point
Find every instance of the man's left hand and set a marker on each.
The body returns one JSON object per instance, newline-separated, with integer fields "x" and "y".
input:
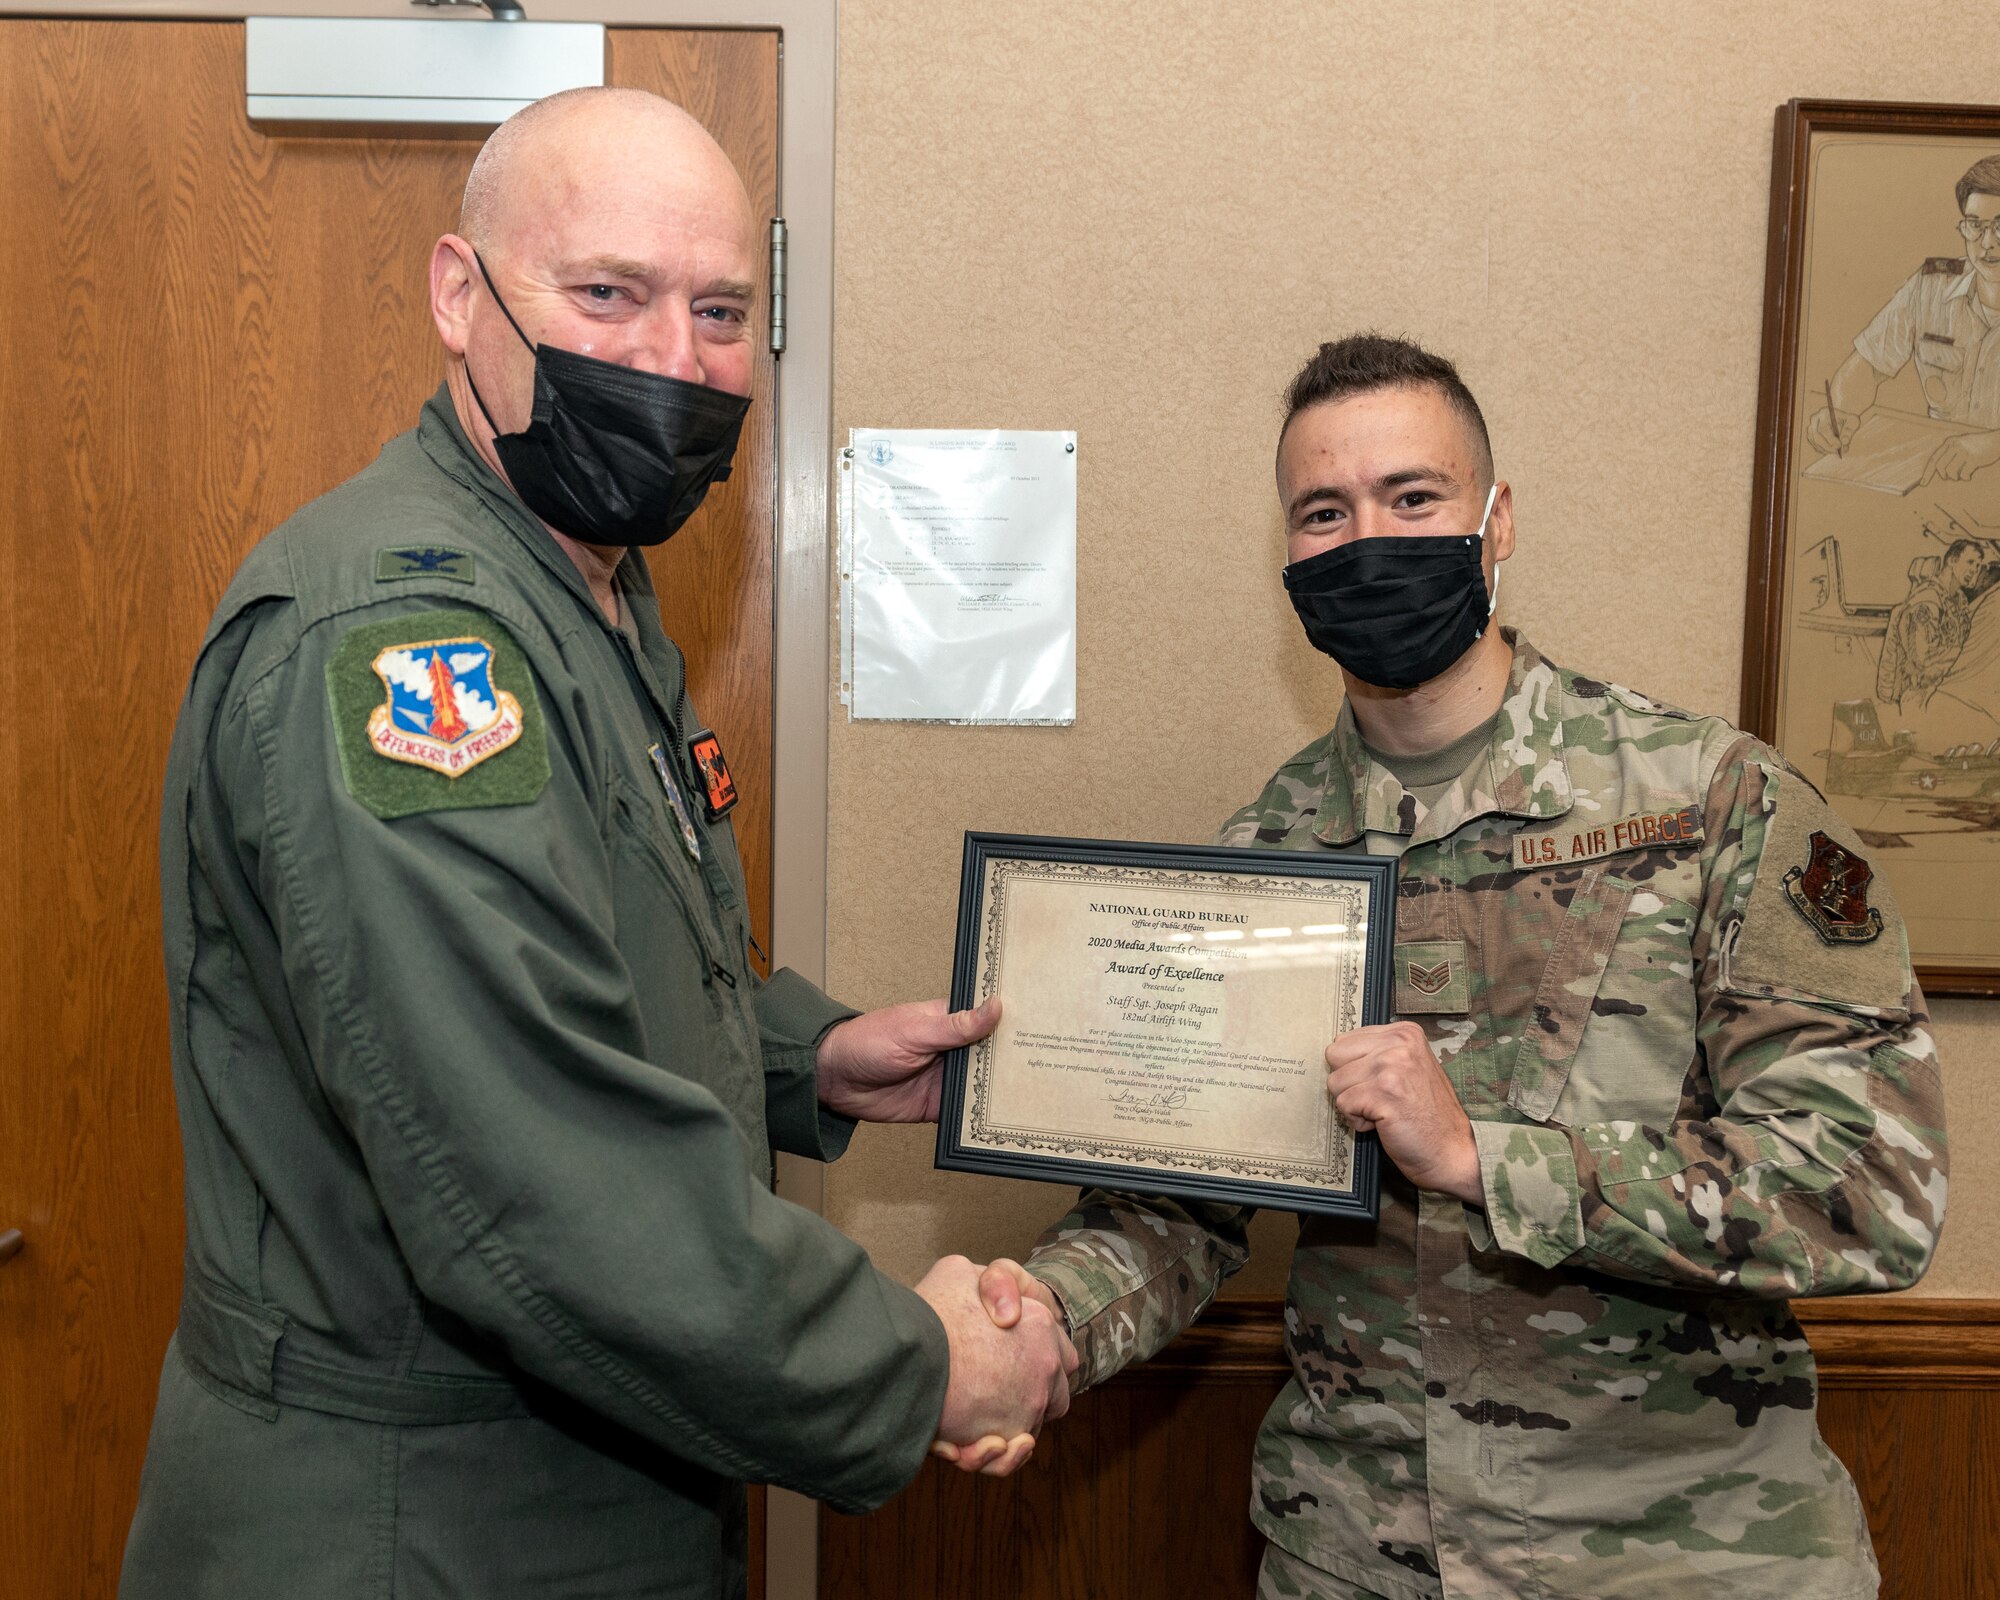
{"x": 883, "y": 1066}
{"x": 1962, "y": 455}
{"x": 1387, "y": 1080}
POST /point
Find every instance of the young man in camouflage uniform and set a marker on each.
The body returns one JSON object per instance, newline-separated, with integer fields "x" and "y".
{"x": 1659, "y": 1065}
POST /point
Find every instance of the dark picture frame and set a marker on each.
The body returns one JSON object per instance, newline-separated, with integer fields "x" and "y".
{"x": 1838, "y": 562}
{"x": 1080, "y": 868}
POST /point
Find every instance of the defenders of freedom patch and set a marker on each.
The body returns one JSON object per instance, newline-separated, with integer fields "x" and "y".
{"x": 436, "y": 712}
{"x": 1831, "y": 892}
{"x": 1561, "y": 847}
{"x": 443, "y": 711}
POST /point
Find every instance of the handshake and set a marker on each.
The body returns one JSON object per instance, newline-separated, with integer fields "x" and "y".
{"x": 1011, "y": 1362}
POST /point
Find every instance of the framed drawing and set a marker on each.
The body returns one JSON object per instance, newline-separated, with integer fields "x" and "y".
{"x": 1872, "y": 631}
{"x": 1165, "y": 1013}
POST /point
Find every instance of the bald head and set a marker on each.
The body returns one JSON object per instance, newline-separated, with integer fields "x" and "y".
{"x": 560, "y": 149}
{"x": 608, "y": 223}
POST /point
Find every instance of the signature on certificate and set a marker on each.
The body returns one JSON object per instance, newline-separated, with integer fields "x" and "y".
{"x": 1160, "y": 1100}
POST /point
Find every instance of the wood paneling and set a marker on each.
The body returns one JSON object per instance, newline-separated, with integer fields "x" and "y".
{"x": 715, "y": 575}
{"x": 1143, "y": 1489}
{"x": 204, "y": 328}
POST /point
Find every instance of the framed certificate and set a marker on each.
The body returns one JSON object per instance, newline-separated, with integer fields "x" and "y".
{"x": 1165, "y": 1013}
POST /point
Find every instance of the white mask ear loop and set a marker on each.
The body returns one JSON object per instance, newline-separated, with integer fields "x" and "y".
{"x": 1485, "y": 516}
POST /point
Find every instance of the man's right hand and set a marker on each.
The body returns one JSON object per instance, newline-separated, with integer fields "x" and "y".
{"x": 1005, "y": 1381}
{"x": 1830, "y": 432}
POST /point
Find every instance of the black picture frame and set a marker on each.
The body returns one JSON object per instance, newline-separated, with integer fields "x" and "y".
{"x": 1362, "y": 1199}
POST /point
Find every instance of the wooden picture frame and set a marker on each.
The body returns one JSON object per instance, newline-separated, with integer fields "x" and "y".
{"x": 1871, "y": 653}
{"x": 1165, "y": 1013}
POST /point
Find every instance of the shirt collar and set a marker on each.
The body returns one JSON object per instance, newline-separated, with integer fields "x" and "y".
{"x": 1520, "y": 774}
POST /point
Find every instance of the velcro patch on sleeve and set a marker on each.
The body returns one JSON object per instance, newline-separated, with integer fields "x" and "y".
{"x": 1820, "y": 923}
{"x": 1646, "y": 830}
{"x": 398, "y": 561}
{"x": 436, "y": 711}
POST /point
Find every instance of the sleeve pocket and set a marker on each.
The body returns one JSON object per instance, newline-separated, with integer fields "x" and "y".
{"x": 1554, "y": 1026}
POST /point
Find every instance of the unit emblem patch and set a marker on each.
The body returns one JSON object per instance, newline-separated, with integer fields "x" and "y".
{"x": 436, "y": 711}
{"x": 443, "y": 711}
{"x": 719, "y": 788}
{"x": 1831, "y": 892}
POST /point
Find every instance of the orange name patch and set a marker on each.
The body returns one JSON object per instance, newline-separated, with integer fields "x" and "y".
{"x": 1649, "y": 830}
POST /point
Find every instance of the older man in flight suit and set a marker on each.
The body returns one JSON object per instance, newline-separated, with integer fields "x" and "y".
{"x": 487, "y": 1292}
{"x": 1659, "y": 1066}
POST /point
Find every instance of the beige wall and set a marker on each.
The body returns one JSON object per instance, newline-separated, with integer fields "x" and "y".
{"x": 1135, "y": 220}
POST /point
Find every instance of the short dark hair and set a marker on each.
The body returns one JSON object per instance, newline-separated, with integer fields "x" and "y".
{"x": 1364, "y": 362}
{"x": 1958, "y": 547}
{"x": 1982, "y": 177}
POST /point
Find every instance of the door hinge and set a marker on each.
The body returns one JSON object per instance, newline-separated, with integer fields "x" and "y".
{"x": 777, "y": 286}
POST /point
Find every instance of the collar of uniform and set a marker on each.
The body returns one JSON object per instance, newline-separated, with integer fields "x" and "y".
{"x": 659, "y": 659}
{"x": 444, "y": 441}
{"x": 1522, "y": 776}
{"x": 1962, "y": 290}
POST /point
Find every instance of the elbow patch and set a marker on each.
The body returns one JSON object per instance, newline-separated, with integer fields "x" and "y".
{"x": 436, "y": 711}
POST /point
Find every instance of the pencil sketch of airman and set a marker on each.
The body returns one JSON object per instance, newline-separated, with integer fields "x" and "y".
{"x": 1927, "y": 631}
{"x": 1946, "y": 319}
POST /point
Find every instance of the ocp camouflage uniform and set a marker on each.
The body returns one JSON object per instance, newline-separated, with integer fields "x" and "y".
{"x": 1700, "y": 1080}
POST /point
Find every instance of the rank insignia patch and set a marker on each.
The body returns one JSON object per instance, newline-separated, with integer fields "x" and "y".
{"x": 1429, "y": 980}
{"x": 423, "y": 561}
{"x": 443, "y": 711}
{"x": 1831, "y": 892}
{"x": 436, "y": 712}
{"x": 719, "y": 786}
{"x": 665, "y": 769}
{"x": 1432, "y": 978}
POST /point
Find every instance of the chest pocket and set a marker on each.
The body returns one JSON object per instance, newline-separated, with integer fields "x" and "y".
{"x": 1940, "y": 364}
{"x": 1609, "y": 1031}
{"x": 1939, "y": 352}
{"x": 697, "y": 1014}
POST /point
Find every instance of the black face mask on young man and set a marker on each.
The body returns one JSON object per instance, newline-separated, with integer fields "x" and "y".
{"x": 611, "y": 455}
{"x": 1396, "y": 612}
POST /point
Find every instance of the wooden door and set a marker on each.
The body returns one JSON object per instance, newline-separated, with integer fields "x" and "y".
{"x": 203, "y": 327}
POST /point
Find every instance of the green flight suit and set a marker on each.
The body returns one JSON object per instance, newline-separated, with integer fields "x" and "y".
{"x": 486, "y": 1289}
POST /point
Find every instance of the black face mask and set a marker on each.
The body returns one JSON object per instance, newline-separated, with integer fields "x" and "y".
{"x": 1395, "y": 612}
{"x": 611, "y": 455}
